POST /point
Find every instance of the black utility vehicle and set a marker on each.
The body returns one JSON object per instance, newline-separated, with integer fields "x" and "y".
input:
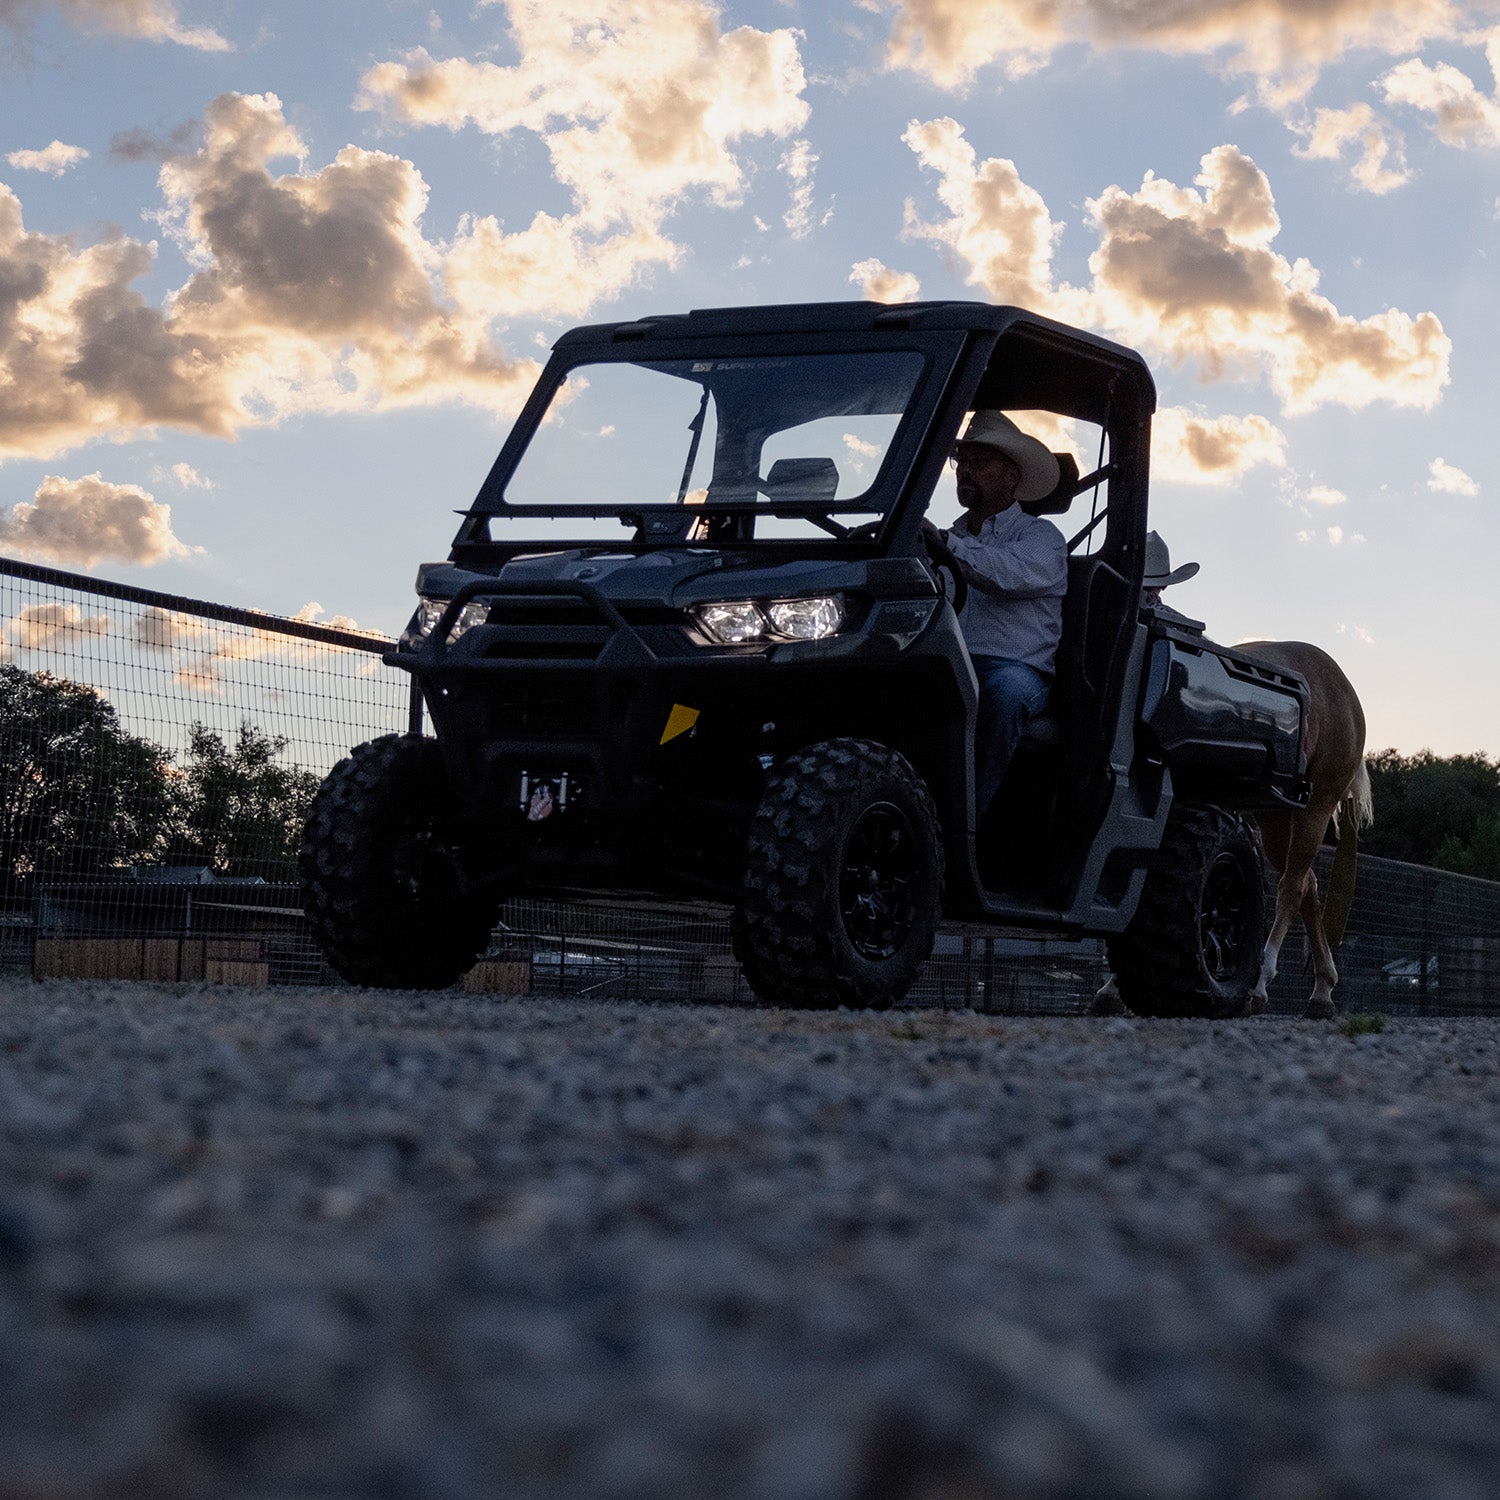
{"x": 691, "y": 639}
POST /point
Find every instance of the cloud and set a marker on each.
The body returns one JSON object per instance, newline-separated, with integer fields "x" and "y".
{"x": 166, "y": 630}
{"x": 798, "y": 164}
{"x": 1192, "y": 272}
{"x": 1187, "y": 272}
{"x": 1281, "y": 44}
{"x": 1357, "y": 632}
{"x": 638, "y": 105}
{"x": 145, "y": 20}
{"x": 1190, "y": 449}
{"x": 1335, "y": 536}
{"x": 316, "y": 290}
{"x": 1461, "y": 114}
{"x": 1380, "y": 166}
{"x": 1323, "y": 494}
{"x": 189, "y": 478}
{"x": 997, "y": 228}
{"x": 87, "y": 521}
{"x": 1448, "y": 480}
{"x": 877, "y": 282}
{"x": 54, "y": 159}
{"x": 44, "y": 627}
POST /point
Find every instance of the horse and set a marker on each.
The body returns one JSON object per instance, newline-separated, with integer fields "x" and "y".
{"x": 1339, "y": 783}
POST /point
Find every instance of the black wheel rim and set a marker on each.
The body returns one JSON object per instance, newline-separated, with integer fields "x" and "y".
{"x": 876, "y": 882}
{"x": 1224, "y": 922}
{"x": 424, "y": 869}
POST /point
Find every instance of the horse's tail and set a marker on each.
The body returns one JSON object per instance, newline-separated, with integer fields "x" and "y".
{"x": 1358, "y": 807}
{"x": 1356, "y": 811}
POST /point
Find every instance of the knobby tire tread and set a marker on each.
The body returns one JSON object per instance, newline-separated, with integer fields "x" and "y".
{"x": 786, "y": 932}
{"x": 372, "y": 930}
{"x": 1156, "y": 960}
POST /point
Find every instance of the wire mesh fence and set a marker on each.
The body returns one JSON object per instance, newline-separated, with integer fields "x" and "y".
{"x": 157, "y": 755}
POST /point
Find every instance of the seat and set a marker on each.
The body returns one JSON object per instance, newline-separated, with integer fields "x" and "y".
{"x": 1051, "y": 794}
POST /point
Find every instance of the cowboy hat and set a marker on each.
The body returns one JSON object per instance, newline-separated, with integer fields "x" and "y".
{"x": 1159, "y": 569}
{"x": 1039, "y": 470}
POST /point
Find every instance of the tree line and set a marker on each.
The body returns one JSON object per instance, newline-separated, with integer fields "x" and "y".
{"x": 1436, "y": 810}
{"x": 81, "y": 797}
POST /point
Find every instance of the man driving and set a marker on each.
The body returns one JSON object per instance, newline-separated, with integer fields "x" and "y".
{"x": 1016, "y": 566}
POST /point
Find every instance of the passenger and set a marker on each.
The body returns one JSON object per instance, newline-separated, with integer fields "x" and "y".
{"x": 1016, "y": 566}
{"x": 1161, "y": 574}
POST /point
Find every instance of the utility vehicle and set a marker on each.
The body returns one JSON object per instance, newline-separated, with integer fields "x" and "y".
{"x": 692, "y": 639}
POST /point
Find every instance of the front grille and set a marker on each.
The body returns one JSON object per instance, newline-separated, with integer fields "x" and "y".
{"x": 543, "y": 711}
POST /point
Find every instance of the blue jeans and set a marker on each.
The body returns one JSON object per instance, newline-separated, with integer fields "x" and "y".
{"x": 1010, "y": 694}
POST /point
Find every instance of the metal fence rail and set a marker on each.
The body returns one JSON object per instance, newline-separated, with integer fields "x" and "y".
{"x": 157, "y": 752}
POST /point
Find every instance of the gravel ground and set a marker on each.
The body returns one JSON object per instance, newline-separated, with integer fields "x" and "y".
{"x": 300, "y": 1243}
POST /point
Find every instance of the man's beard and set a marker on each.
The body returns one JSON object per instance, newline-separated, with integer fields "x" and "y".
{"x": 969, "y": 495}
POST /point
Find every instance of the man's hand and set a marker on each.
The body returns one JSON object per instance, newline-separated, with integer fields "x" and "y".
{"x": 929, "y": 530}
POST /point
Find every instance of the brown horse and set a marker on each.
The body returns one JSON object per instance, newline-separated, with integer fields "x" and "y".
{"x": 1340, "y": 792}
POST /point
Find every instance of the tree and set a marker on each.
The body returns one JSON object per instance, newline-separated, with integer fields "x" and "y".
{"x": 78, "y": 795}
{"x": 1432, "y": 810}
{"x": 240, "y": 812}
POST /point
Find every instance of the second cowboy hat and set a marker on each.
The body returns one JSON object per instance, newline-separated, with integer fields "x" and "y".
{"x": 1159, "y": 570}
{"x": 1039, "y": 470}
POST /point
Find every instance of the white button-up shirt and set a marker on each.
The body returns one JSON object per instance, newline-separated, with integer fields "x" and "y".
{"x": 1018, "y": 573}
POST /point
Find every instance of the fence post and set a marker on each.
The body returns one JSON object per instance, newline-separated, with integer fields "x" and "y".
{"x": 1426, "y": 943}
{"x": 414, "y": 712}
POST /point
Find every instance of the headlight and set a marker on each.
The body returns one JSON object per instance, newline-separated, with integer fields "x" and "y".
{"x": 733, "y": 623}
{"x": 469, "y": 616}
{"x": 738, "y": 622}
{"x": 808, "y": 619}
{"x": 430, "y": 611}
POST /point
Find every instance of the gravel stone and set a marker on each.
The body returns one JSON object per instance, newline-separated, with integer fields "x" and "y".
{"x": 285, "y": 1244}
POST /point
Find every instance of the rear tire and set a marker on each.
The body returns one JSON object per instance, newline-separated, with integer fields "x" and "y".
{"x": 382, "y": 881}
{"x": 843, "y": 882}
{"x": 1194, "y": 946}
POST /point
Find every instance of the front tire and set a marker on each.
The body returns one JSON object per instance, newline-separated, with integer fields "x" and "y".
{"x": 1194, "y": 946}
{"x": 382, "y": 883}
{"x": 843, "y": 881}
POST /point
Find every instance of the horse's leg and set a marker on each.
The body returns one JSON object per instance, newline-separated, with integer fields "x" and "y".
{"x": 1302, "y": 848}
{"x": 1320, "y": 1006}
{"x": 1275, "y": 837}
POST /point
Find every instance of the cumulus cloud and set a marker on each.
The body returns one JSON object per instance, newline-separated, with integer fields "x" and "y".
{"x": 316, "y": 290}
{"x": 1282, "y": 45}
{"x": 1187, "y": 272}
{"x": 997, "y": 227}
{"x": 1448, "y": 480}
{"x": 146, "y": 20}
{"x": 1380, "y": 152}
{"x": 1462, "y": 114}
{"x": 87, "y": 521}
{"x": 1187, "y": 448}
{"x": 166, "y": 630}
{"x": 877, "y": 282}
{"x": 54, "y": 159}
{"x": 1356, "y": 632}
{"x": 638, "y": 105}
{"x": 46, "y": 627}
{"x": 1192, "y": 272}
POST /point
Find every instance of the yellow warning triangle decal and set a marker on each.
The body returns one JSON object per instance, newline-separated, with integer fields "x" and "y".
{"x": 679, "y": 721}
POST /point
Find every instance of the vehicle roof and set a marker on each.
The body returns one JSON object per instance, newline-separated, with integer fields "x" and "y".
{"x": 869, "y": 317}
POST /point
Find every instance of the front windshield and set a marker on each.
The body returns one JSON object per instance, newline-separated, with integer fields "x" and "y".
{"x": 791, "y": 445}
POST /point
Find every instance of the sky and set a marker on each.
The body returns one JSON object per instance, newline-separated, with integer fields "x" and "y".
{"x": 275, "y": 277}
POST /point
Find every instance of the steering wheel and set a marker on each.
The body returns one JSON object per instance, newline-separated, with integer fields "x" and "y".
{"x": 942, "y": 557}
